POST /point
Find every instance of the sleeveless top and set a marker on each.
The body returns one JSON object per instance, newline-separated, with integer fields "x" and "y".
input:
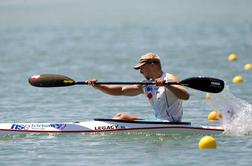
{"x": 165, "y": 104}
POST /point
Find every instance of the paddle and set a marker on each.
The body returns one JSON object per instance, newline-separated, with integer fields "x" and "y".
{"x": 206, "y": 84}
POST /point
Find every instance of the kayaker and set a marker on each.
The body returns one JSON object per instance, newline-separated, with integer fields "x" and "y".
{"x": 165, "y": 100}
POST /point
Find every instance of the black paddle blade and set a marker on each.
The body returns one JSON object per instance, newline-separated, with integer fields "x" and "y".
{"x": 206, "y": 84}
{"x": 50, "y": 80}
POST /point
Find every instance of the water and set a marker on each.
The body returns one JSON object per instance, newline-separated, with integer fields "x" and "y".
{"x": 237, "y": 113}
{"x": 103, "y": 40}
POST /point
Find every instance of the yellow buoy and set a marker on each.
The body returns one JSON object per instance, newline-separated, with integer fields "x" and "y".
{"x": 232, "y": 57}
{"x": 238, "y": 79}
{"x": 214, "y": 115}
{"x": 207, "y": 142}
{"x": 208, "y": 96}
{"x": 248, "y": 66}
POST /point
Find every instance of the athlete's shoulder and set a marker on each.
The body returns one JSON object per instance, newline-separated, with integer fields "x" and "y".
{"x": 171, "y": 77}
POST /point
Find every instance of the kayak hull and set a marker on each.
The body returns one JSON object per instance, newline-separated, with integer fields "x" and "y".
{"x": 108, "y": 126}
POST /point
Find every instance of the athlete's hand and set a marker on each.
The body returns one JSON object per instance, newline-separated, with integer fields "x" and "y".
{"x": 159, "y": 82}
{"x": 91, "y": 82}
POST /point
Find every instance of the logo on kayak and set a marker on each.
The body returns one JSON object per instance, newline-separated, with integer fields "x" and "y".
{"x": 20, "y": 127}
{"x": 109, "y": 127}
{"x": 37, "y": 126}
{"x": 59, "y": 126}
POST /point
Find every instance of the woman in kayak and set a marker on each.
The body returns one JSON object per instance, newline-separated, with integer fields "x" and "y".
{"x": 166, "y": 100}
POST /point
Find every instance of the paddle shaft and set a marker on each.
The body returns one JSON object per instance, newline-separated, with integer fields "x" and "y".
{"x": 127, "y": 83}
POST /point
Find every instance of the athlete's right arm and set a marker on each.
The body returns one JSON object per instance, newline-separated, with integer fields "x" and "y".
{"x": 116, "y": 90}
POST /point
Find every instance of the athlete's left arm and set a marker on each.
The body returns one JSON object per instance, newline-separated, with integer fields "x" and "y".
{"x": 177, "y": 90}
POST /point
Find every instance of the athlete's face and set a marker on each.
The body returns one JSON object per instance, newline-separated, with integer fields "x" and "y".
{"x": 146, "y": 70}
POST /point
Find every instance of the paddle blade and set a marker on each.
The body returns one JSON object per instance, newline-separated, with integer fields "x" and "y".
{"x": 50, "y": 80}
{"x": 206, "y": 84}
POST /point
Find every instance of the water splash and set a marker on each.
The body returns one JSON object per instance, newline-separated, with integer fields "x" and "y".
{"x": 237, "y": 113}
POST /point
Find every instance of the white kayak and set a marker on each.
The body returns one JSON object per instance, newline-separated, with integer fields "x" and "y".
{"x": 108, "y": 125}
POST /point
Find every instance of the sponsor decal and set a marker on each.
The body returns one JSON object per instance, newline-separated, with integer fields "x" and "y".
{"x": 215, "y": 84}
{"x": 37, "y": 126}
{"x": 109, "y": 127}
{"x": 68, "y": 81}
{"x": 58, "y": 126}
{"x": 20, "y": 126}
{"x": 149, "y": 95}
{"x": 149, "y": 88}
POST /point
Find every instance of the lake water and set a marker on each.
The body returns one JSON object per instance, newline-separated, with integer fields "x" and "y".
{"x": 100, "y": 39}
